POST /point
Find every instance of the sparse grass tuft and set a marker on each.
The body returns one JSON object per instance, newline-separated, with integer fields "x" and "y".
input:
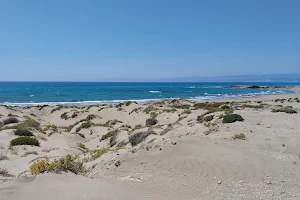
{"x": 29, "y": 152}
{"x": 139, "y": 137}
{"x": 3, "y": 157}
{"x": 23, "y": 132}
{"x": 240, "y": 136}
{"x": 90, "y": 117}
{"x": 208, "y": 118}
{"x": 187, "y": 112}
{"x": 81, "y": 146}
{"x": 253, "y": 106}
{"x": 109, "y": 134}
{"x": 24, "y": 141}
{"x": 231, "y": 118}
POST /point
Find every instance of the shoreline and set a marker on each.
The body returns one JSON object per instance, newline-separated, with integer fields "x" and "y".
{"x": 294, "y": 89}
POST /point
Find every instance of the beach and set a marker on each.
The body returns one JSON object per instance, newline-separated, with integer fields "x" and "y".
{"x": 176, "y": 149}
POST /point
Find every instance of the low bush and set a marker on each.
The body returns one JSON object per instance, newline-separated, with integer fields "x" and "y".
{"x": 87, "y": 124}
{"x": 23, "y": 132}
{"x": 82, "y": 146}
{"x": 24, "y": 141}
{"x": 285, "y": 110}
{"x": 10, "y": 120}
{"x": 64, "y": 116}
{"x": 240, "y": 136}
{"x": 96, "y": 154}
{"x": 151, "y": 122}
{"x": 187, "y": 112}
{"x": 90, "y": 117}
{"x": 139, "y": 137}
{"x": 230, "y": 118}
{"x": 67, "y": 163}
{"x": 208, "y": 118}
{"x": 109, "y": 134}
{"x": 4, "y": 172}
{"x": 29, "y": 152}
{"x": 225, "y": 107}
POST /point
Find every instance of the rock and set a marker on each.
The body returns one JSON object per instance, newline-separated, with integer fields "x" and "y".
{"x": 173, "y": 142}
{"x": 117, "y": 163}
{"x": 220, "y": 182}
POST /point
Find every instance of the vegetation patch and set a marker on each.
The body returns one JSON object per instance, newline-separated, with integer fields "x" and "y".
{"x": 112, "y": 141}
{"x": 151, "y": 122}
{"x": 208, "y": 118}
{"x": 65, "y": 164}
{"x": 10, "y": 120}
{"x": 253, "y": 106}
{"x": 3, "y": 157}
{"x": 23, "y": 132}
{"x": 24, "y": 141}
{"x": 240, "y": 136}
{"x": 231, "y": 118}
{"x": 4, "y": 172}
{"x": 109, "y": 134}
{"x": 137, "y": 138}
{"x": 29, "y": 153}
{"x": 187, "y": 112}
{"x": 91, "y": 117}
{"x": 81, "y": 146}
{"x": 285, "y": 110}
{"x": 95, "y": 154}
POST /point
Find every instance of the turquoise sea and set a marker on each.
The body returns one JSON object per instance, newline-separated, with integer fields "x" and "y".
{"x": 86, "y": 93}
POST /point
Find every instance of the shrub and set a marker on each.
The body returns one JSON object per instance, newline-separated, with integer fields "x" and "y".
{"x": 23, "y": 132}
{"x": 82, "y": 146}
{"x": 139, "y": 137}
{"x": 285, "y": 110}
{"x": 64, "y": 116}
{"x": 151, "y": 122}
{"x": 10, "y": 120}
{"x": 252, "y": 106}
{"x": 240, "y": 136}
{"x": 97, "y": 154}
{"x": 225, "y": 107}
{"x": 187, "y": 112}
{"x": 5, "y": 173}
{"x": 153, "y": 115}
{"x": 67, "y": 163}
{"x": 90, "y": 117}
{"x": 230, "y": 118}
{"x": 87, "y": 124}
{"x": 113, "y": 140}
{"x": 109, "y": 134}
{"x": 128, "y": 103}
{"x": 208, "y": 118}
{"x": 24, "y": 141}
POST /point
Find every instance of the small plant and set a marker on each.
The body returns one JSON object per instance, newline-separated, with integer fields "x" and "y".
{"x": 151, "y": 122}
{"x": 128, "y": 103}
{"x": 253, "y": 106}
{"x": 109, "y": 134}
{"x": 81, "y": 146}
{"x": 86, "y": 125}
{"x": 90, "y": 117}
{"x": 139, "y": 137}
{"x": 23, "y": 132}
{"x": 225, "y": 107}
{"x": 285, "y": 110}
{"x": 95, "y": 154}
{"x": 4, "y": 172}
{"x": 221, "y": 116}
{"x": 29, "y": 152}
{"x": 112, "y": 140}
{"x": 240, "y": 136}
{"x": 153, "y": 115}
{"x": 10, "y": 120}
{"x": 208, "y": 118}
{"x": 67, "y": 163}
{"x": 231, "y": 118}
{"x": 64, "y": 116}
{"x": 24, "y": 141}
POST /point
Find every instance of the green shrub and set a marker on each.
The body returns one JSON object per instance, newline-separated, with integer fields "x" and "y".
{"x": 137, "y": 138}
{"x": 64, "y": 116}
{"x": 230, "y": 118}
{"x": 151, "y": 122}
{"x": 87, "y": 124}
{"x": 285, "y": 110}
{"x": 109, "y": 134}
{"x": 23, "y": 132}
{"x": 65, "y": 164}
{"x": 10, "y": 120}
{"x": 225, "y": 107}
{"x": 24, "y": 141}
{"x": 187, "y": 112}
{"x": 90, "y": 117}
{"x": 240, "y": 136}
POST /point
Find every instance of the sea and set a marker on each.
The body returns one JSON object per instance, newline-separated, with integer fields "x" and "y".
{"x": 90, "y": 93}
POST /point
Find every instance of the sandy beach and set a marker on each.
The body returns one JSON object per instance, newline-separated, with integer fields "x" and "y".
{"x": 165, "y": 150}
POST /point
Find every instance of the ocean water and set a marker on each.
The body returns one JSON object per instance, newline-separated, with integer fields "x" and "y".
{"x": 86, "y": 93}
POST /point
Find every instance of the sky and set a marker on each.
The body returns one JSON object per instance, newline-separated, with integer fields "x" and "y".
{"x": 113, "y": 40}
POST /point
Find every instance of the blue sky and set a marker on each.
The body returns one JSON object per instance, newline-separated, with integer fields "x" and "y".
{"x": 94, "y": 40}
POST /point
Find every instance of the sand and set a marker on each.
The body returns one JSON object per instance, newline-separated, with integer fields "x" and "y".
{"x": 186, "y": 159}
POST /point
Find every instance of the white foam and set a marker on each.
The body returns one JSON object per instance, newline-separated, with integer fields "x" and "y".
{"x": 155, "y": 92}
